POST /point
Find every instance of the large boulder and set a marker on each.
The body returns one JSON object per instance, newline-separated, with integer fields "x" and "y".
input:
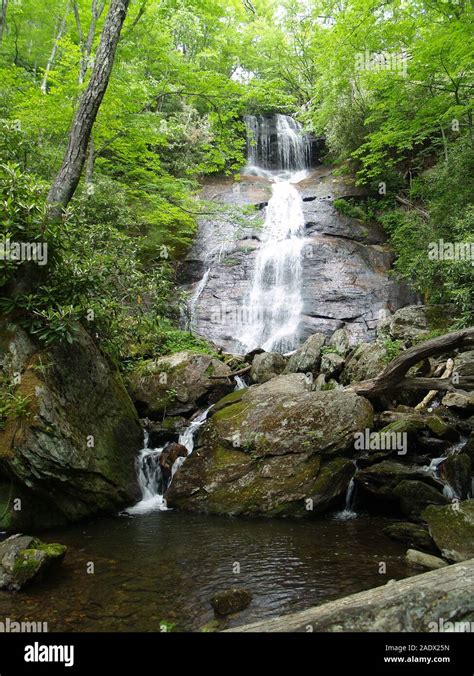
{"x": 69, "y": 451}
{"x": 452, "y": 529}
{"x": 415, "y": 496}
{"x": 367, "y": 361}
{"x": 308, "y": 357}
{"x": 416, "y": 322}
{"x": 273, "y": 449}
{"x": 456, "y": 471}
{"x": 178, "y": 384}
{"x": 414, "y": 535}
{"x": 266, "y": 366}
{"x": 341, "y": 341}
{"x": 463, "y": 401}
{"x": 380, "y": 481}
{"x": 24, "y": 558}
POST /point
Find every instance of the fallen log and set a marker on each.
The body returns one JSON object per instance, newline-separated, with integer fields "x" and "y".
{"x": 432, "y": 601}
{"x": 394, "y": 375}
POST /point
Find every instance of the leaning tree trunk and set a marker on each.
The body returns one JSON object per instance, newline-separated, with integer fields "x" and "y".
{"x": 69, "y": 175}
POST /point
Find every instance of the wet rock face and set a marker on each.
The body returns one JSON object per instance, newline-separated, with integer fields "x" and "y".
{"x": 345, "y": 263}
{"x": 72, "y": 454}
{"x": 276, "y": 449}
{"x": 24, "y": 558}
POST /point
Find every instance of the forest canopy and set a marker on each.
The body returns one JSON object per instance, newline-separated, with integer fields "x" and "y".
{"x": 387, "y": 84}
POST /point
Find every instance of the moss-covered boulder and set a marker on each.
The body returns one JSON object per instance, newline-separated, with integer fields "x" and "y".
{"x": 416, "y": 322}
{"x": 414, "y": 535}
{"x": 277, "y": 449}
{"x": 452, "y": 529}
{"x": 24, "y": 558}
{"x": 307, "y": 358}
{"x": 380, "y": 481}
{"x": 178, "y": 384}
{"x": 68, "y": 447}
{"x": 367, "y": 361}
{"x": 267, "y": 365}
{"x": 415, "y": 496}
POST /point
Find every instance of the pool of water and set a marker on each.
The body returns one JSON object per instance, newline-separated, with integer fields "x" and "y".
{"x": 164, "y": 567}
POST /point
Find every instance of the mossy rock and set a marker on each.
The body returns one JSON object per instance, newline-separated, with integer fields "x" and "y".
{"x": 275, "y": 449}
{"x": 452, "y": 529}
{"x": 76, "y": 450}
{"x": 23, "y": 558}
{"x": 178, "y": 384}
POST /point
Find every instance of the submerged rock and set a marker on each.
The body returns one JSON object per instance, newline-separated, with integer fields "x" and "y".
{"x": 266, "y": 366}
{"x": 411, "y": 534}
{"x": 231, "y": 601}
{"x": 274, "y": 449}
{"x": 179, "y": 384}
{"x": 23, "y": 558}
{"x": 71, "y": 453}
{"x": 452, "y": 529}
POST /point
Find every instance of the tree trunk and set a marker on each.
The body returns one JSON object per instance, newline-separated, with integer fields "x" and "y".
{"x": 421, "y": 603}
{"x": 3, "y": 17}
{"x": 69, "y": 175}
{"x": 86, "y": 45}
{"x": 393, "y": 377}
{"x": 52, "y": 57}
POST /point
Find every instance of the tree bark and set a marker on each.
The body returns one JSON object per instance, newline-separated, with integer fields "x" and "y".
{"x": 417, "y": 603}
{"x": 3, "y": 17}
{"x": 68, "y": 177}
{"x": 393, "y": 377}
{"x": 87, "y": 43}
{"x": 54, "y": 50}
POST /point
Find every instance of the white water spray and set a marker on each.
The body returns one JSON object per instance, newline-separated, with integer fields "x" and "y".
{"x": 150, "y": 479}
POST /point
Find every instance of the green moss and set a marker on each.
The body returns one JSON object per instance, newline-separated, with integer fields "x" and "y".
{"x": 223, "y": 457}
{"x": 437, "y": 425}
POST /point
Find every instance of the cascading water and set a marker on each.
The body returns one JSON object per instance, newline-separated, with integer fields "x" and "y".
{"x": 271, "y": 312}
{"x": 150, "y": 477}
{"x": 435, "y": 467}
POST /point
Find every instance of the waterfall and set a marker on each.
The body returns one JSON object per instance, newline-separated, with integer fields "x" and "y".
{"x": 271, "y": 312}
{"x": 193, "y": 301}
{"x": 150, "y": 479}
{"x": 276, "y": 143}
{"x": 240, "y": 383}
{"x": 433, "y": 469}
{"x": 348, "y": 512}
